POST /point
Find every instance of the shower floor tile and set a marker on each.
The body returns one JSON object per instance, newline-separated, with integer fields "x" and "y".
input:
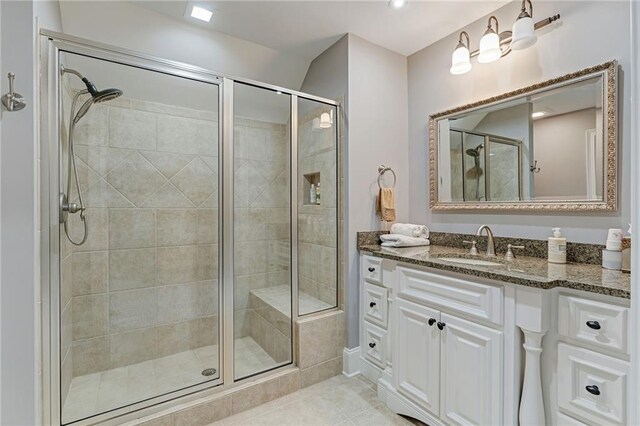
{"x": 251, "y": 358}
{"x": 107, "y": 390}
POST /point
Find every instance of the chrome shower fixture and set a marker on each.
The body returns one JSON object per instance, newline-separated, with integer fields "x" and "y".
{"x": 97, "y": 96}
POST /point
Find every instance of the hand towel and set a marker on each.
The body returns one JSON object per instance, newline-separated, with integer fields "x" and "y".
{"x": 386, "y": 205}
{"x": 397, "y": 240}
{"x": 410, "y": 230}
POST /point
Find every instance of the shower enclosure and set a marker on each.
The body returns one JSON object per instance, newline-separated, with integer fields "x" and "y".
{"x": 485, "y": 167}
{"x": 183, "y": 243}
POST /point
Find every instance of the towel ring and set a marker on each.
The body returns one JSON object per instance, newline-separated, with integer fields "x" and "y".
{"x": 381, "y": 171}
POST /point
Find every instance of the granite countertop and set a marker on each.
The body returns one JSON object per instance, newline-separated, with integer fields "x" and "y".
{"x": 528, "y": 271}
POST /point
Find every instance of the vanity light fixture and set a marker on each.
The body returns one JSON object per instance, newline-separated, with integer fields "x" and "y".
{"x": 397, "y": 4}
{"x": 524, "y": 29}
{"x": 201, "y": 13}
{"x": 490, "y": 43}
{"x": 495, "y": 44}
{"x": 461, "y": 60}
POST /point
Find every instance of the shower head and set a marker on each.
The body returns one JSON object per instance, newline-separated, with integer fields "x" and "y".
{"x": 97, "y": 96}
{"x": 101, "y": 95}
{"x": 474, "y": 152}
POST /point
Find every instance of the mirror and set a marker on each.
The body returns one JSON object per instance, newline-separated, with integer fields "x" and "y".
{"x": 550, "y": 146}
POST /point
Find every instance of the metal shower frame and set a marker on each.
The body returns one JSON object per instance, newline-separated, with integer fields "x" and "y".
{"x": 50, "y": 45}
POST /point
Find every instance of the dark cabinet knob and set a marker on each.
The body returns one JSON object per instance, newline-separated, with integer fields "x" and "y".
{"x": 372, "y": 304}
{"x": 372, "y": 345}
{"x": 593, "y": 324}
{"x": 432, "y": 321}
{"x": 371, "y": 269}
{"x": 593, "y": 390}
{"x": 441, "y": 325}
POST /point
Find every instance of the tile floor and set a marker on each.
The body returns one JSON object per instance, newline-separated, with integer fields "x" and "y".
{"x": 336, "y": 401}
{"x": 280, "y": 298}
{"x": 99, "y": 392}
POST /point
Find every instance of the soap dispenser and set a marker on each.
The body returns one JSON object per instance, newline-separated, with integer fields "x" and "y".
{"x": 557, "y": 247}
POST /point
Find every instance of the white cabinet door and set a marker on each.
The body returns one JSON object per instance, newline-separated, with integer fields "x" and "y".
{"x": 416, "y": 365}
{"x": 471, "y": 381}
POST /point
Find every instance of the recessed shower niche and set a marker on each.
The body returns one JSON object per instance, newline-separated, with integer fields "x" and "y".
{"x": 311, "y": 183}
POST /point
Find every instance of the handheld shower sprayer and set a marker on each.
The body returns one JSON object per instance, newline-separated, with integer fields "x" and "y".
{"x": 96, "y": 97}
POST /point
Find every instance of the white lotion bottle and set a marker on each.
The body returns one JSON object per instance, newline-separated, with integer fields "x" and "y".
{"x": 557, "y": 247}
{"x": 312, "y": 195}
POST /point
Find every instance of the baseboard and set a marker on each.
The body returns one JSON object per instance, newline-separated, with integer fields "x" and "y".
{"x": 351, "y": 362}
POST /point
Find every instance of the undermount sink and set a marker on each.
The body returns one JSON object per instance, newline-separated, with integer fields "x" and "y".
{"x": 467, "y": 261}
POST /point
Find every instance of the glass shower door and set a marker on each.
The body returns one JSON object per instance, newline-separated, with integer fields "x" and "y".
{"x": 139, "y": 298}
{"x": 262, "y": 308}
{"x": 317, "y": 206}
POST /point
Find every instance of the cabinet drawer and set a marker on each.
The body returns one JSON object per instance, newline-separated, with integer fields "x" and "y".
{"x": 592, "y": 386}
{"x": 375, "y": 345}
{"x": 600, "y": 324}
{"x": 479, "y": 300}
{"x": 375, "y": 304}
{"x": 564, "y": 420}
{"x": 372, "y": 269}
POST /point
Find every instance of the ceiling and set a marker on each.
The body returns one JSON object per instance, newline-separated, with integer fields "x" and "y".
{"x": 307, "y": 28}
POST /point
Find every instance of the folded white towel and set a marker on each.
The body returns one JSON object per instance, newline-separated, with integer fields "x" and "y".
{"x": 397, "y": 240}
{"x": 410, "y": 230}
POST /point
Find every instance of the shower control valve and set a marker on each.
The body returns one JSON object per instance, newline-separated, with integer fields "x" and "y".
{"x": 66, "y": 207}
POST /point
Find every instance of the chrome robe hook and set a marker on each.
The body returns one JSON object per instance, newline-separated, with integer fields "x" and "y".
{"x": 13, "y": 101}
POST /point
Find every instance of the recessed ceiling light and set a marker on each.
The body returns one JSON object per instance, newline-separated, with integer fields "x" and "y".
{"x": 397, "y": 4}
{"x": 538, "y": 114}
{"x": 201, "y": 14}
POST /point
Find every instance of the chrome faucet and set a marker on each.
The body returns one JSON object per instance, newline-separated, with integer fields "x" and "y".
{"x": 491, "y": 245}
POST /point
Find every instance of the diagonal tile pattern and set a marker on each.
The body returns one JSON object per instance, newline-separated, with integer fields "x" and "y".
{"x": 136, "y": 179}
{"x": 196, "y": 181}
{"x": 167, "y": 164}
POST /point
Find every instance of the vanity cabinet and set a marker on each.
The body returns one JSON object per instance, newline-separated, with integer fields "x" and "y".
{"x": 454, "y": 349}
{"x": 443, "y": 339}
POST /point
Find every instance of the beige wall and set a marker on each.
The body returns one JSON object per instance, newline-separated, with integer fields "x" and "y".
{"x": 561, "y": 151}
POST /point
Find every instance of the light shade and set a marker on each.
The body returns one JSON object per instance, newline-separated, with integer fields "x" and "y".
{"x": 489, "y": 48}
{"x": 523, "y": 33}
{"x": 460, "y": 61}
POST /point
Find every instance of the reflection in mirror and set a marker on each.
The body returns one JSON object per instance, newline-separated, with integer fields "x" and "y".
{"x": 546, "y": 145}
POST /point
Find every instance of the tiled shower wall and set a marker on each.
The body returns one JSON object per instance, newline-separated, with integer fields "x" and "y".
{"x": 144, "y": 285}
{"x": 317, "y": 224}
{"x": 261, "y": 228}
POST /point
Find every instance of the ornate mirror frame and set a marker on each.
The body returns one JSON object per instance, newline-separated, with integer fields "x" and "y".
{"x": 609, "y": 73}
